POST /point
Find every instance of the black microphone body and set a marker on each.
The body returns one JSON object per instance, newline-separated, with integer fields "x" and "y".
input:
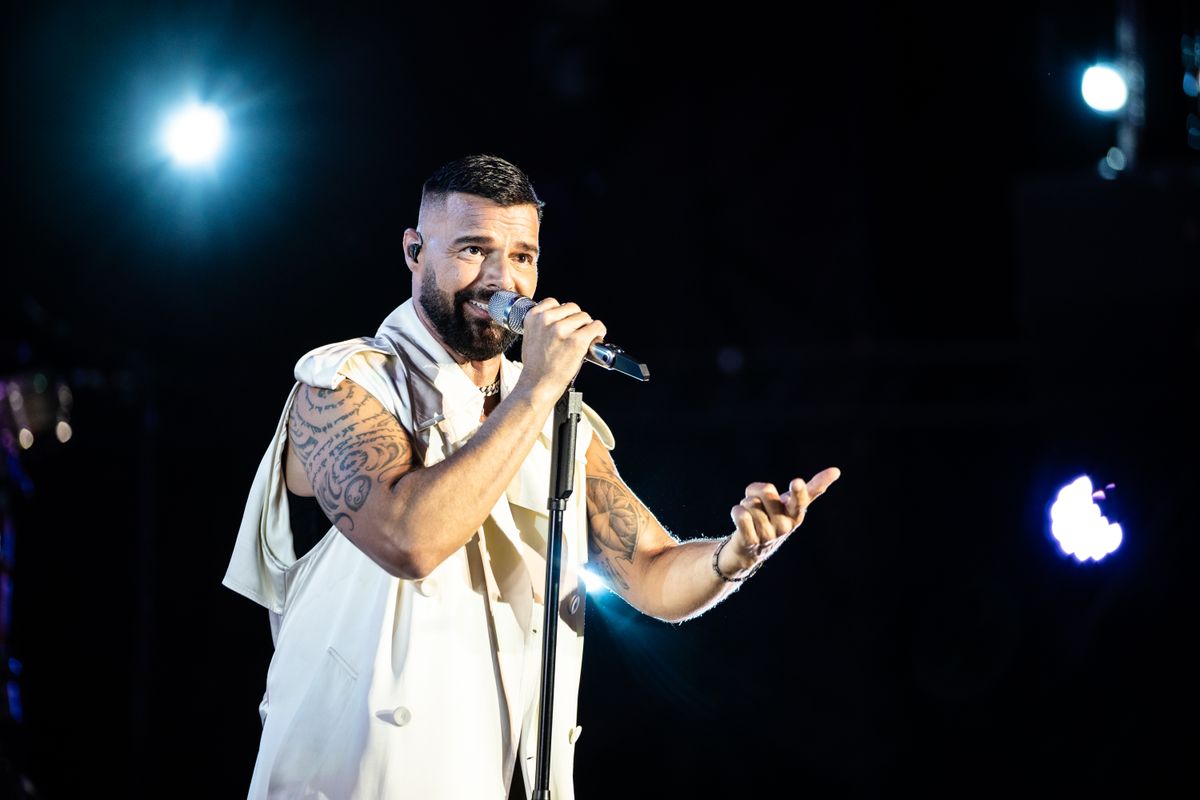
{"x": 509, "y": 309}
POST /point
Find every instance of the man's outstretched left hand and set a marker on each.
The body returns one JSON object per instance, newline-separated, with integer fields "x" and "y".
{"x": 765, "y": 518}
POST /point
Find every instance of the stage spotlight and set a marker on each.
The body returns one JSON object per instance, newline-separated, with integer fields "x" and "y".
{"x": 1104, "y": 89}
{"x": 1078, "y": 525}
{"x": 594, "y": 583}
{"x": 194, "y": 135}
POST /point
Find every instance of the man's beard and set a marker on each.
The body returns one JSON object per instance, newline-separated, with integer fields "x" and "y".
{"x": 474, "y": 339}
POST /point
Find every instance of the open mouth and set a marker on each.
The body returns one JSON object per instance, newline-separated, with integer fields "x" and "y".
{"x": 479, "y": 308}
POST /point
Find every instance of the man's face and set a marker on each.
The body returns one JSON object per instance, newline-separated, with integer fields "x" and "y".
{"x": 472, "y": 248}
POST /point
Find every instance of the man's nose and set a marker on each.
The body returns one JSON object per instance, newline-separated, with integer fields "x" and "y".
{"x": 497, "y": 272}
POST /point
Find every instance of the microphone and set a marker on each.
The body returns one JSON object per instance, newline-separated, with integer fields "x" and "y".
{"x": 509, "y": 309}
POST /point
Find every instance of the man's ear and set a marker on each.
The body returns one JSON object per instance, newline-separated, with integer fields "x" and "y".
{"x": 413, "y": 241}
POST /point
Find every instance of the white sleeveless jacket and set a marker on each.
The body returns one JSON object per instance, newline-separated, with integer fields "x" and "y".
{"x": 387, "y": 688}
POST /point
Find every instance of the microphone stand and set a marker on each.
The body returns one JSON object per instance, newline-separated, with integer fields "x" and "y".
{"x": 562, "y": 482}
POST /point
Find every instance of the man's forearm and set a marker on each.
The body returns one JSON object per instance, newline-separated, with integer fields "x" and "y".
{"x": 679, "y": 582}
{"x": 435, "y": 511}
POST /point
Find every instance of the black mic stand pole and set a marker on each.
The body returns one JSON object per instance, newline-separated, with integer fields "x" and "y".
{"x": 562, "y": 481}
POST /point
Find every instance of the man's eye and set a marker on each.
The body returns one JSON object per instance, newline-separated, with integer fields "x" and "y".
{"x": 525, "y": 258}
{"x": 474, "y": 250}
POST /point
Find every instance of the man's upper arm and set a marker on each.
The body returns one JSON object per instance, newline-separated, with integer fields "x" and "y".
{"x": 623, "y": 536}
{"x": 353, "y": 451}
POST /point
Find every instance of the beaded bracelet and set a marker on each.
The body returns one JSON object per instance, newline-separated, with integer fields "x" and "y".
{"x": 721, "y": 575}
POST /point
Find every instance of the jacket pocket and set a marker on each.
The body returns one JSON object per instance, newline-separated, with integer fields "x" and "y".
{"x": 316, "y": 730}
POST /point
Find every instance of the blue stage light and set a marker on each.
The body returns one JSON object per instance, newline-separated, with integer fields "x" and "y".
{"x": 1079, "y": 526}
{"x": 195, "y": 134}
{"x": 1104, "y": 88}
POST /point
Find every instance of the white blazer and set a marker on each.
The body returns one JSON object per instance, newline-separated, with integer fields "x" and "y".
{"x": 382, "y": 687}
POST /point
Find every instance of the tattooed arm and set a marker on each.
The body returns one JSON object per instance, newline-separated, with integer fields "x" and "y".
{"x": 646, "y": 565}
{"x": 346, "y": 449}
{"x": 672, "y": 580}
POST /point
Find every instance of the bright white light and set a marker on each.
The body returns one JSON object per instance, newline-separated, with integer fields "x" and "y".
{"x": 194, "y": 135}
{"x": 594, "y": 583}
{"x": 1104, "y": 88}
{"x": 25, "y": 437}
{"x": 63, "y": 431}
{"x": 1076, "y": 522}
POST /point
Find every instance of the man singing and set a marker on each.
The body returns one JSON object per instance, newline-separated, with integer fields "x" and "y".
{"x": 396, "y": 528}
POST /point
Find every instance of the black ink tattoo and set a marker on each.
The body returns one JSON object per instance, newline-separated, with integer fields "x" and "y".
{"x": 346, "y": 447}
{"x": 616, "y": 520}
{"x": 357, "y": 490}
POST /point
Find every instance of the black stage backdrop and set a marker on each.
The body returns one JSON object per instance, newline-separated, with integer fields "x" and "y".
{"x": 852, "y": 234}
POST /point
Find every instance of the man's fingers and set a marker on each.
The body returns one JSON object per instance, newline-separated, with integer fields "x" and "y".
{"x": 567, "y": 317}
{"x": 549, "y": 311}
{"x": 764, "y": 490}
{"x": 594, "y": 330}
{"x": 773, "y": 505}
{"x": 801, "y": 493}
{"x": 821, "y": 481}
{"x": 542, "y": 307}
{"x": 796, "y": 499}
{"x": 763, "y": 525}
{"x": 743, "y": 523}
{"x": 764, "y": 518}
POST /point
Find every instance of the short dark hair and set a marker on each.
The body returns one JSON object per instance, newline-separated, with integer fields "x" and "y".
{"x": 486, "y": 176}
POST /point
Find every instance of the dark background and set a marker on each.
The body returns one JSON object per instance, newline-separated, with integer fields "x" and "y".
{"x": 854, "y": 235}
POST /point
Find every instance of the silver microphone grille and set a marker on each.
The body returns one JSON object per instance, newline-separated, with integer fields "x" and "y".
{"x": 509, "y": 309}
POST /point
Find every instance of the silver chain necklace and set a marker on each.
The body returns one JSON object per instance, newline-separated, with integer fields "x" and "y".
{"x": 492, "y": 389}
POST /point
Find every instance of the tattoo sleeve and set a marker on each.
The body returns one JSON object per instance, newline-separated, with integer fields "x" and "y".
{"x": 349, "y": 445}
{"x": 615, "y": 521}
